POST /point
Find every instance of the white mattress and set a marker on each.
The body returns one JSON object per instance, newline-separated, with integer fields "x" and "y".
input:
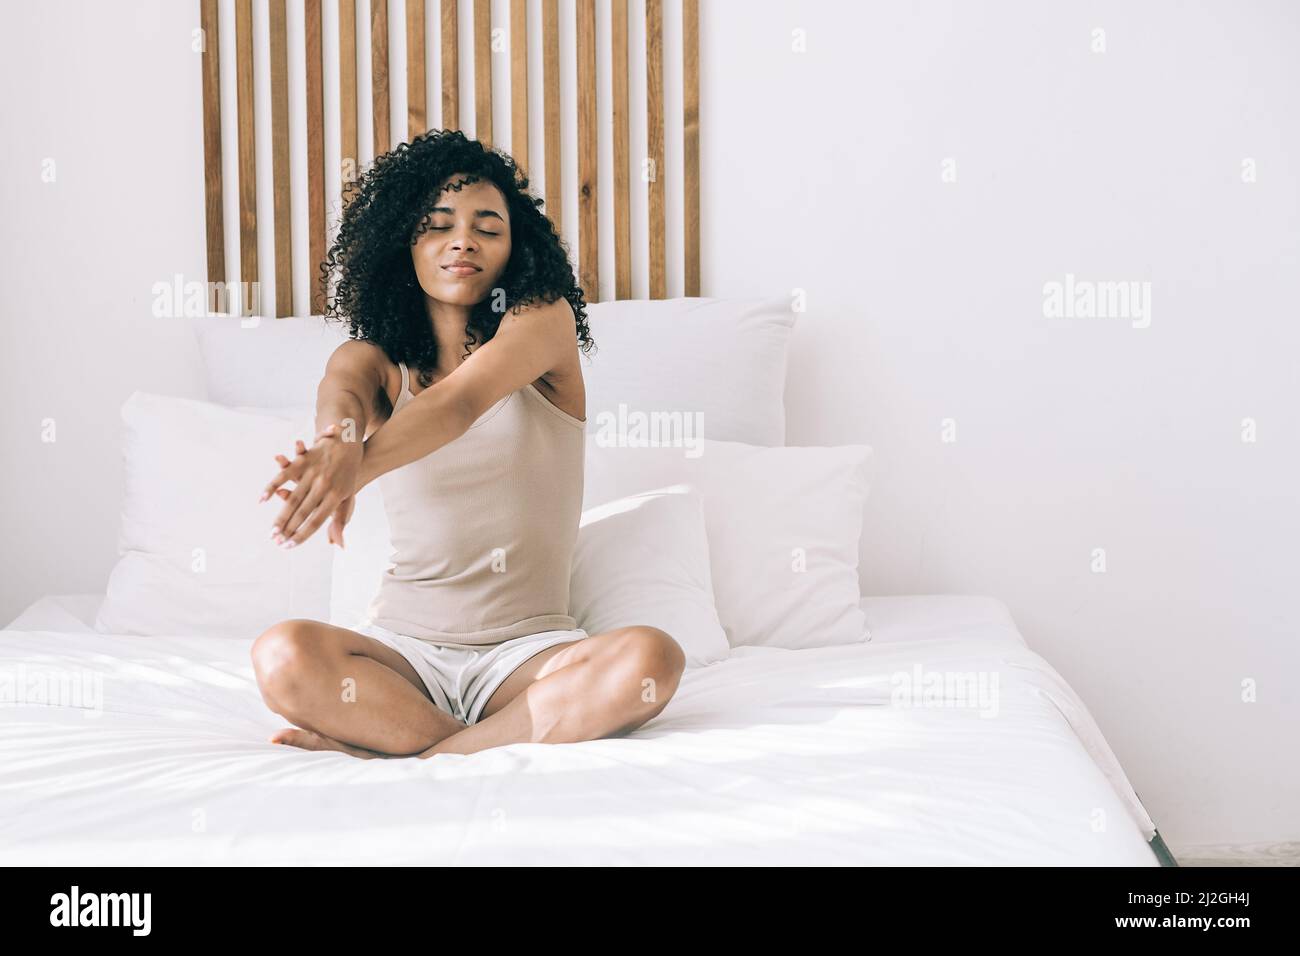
{"x": 772, "y": 756}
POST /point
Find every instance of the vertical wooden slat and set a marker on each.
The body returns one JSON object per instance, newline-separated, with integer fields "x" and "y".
{"x": 379, "y": 75}
{"x": 622, "y": 173}
{"x": 483, "y": 71}
{"x": 450, "y": 44}
{"x": 214, "y": 217}
{"x": 551, "y": 108}
{"x": 315, "y": 156}
{"x": 691, "y": 141}
{"x": 417, "y": 121}
{"x": 654, "y": 62}
{"x": 280, "y": 160}
{"x": 588, "y": 233}
{"x": 350, "y": 165}
{"x": 247, "y": 155}
{"x": 519, "y": 83}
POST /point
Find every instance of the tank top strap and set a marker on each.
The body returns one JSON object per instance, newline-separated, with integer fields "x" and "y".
{"x": 404, "y": 392}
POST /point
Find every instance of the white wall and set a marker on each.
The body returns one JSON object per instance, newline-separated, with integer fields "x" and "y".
{"x": 925, "y": 302}
{"x": 822, "y": 173}
{"x": 109, "y": 93}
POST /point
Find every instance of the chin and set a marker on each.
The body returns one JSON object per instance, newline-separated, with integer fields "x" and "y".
{"x": 456, "y": 293}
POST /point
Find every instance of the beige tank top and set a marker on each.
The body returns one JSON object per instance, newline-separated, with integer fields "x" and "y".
{"x": 483, "y": 528}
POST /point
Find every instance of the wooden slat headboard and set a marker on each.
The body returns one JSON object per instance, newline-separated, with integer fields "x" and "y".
{"x": 649, "y": 172}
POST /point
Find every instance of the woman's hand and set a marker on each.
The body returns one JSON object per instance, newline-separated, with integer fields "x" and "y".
{"x": 325, "y": 484}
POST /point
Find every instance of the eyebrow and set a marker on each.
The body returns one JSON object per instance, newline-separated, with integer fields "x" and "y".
{"x": 478, "y": 213}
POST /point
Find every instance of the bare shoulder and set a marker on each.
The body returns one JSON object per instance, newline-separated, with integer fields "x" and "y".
{"x": 359, "y": 355}
{"x": 563, "y": 384}
{"x": 554, "y": 318}
{"x": 364, "y": 368}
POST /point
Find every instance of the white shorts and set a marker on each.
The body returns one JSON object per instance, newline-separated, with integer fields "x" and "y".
{"x": 462, "y": 681}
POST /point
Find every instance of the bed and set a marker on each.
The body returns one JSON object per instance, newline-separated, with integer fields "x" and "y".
{"x": 132, "y": 731}
{"x": 771, "y": 756}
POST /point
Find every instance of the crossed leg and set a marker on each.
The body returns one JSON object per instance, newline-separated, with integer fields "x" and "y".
{"x": 605, "y": 685}
{"x": 345, "y": 691}
{"x": 352, "y": 693}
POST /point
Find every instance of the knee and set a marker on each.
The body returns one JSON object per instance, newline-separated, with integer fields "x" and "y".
{"x": 282, "y": 656}
{"x": 656, "y": 660}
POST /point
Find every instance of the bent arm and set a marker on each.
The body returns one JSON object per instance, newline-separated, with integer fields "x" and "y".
{"x": 528, "y": 344}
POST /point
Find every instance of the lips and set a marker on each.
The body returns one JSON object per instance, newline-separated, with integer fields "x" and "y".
{"x": 462, "y": 269}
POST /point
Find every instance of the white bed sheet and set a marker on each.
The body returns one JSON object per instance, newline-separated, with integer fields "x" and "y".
{"x": 769, "y": 757}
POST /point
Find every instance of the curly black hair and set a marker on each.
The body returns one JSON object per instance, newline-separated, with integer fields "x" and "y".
{"x": 377, "y": 294}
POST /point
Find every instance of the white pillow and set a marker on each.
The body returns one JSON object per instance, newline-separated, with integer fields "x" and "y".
{"x": 644, "y": 559}
{"x": 194, "y": 545}
{"x": 273, "y": 363}
{"x": 719, "y": 364}
{"x": 783, "y": 526}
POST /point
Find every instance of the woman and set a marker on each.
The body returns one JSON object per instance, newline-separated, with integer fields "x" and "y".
{"x": 460, "y": 390}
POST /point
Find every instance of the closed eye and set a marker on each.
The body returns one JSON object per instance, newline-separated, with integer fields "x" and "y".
{"x": 444, "y": 228}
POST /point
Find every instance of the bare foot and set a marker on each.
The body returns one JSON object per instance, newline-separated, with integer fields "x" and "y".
{"x": 310, "y": 740}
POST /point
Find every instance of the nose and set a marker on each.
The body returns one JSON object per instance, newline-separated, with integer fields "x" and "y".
{"x": 462, "y": 241}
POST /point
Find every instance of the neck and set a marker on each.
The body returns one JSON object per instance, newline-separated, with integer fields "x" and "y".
{"x": 449, "y": 322}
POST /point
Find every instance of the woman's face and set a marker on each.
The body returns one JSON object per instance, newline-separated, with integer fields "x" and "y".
{"x": 470, "y": 225}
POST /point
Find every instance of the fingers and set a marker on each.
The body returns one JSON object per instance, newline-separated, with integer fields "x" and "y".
{"x": 286, "y": 473}
{"x": 340, "y": 519}
{"x": 316, "y": 510}
{"x": 289, "y": 471}
{"x": 280, "y": 529}
{"x": 310, "y": 526}
{"x": 302, "y": 502}
{"x": 307, "y": 506}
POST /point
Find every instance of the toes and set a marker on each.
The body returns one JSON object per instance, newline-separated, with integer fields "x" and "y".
{"x": 309, "y": 740}
{"x": 295, "y": 737}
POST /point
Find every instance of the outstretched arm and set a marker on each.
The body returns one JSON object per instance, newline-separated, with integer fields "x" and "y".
{"x": 527, "y": 345}
{"x": 346, "y": 399}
